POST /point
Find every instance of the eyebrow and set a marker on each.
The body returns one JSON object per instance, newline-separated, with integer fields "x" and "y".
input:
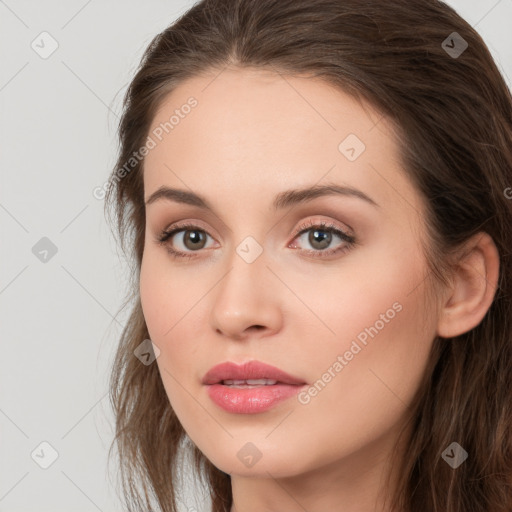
{"x": 282, "y": 200}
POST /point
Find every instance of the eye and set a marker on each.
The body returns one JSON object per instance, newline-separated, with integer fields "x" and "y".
{"x": 194, "y": 240}
{"x": 321, "y": 236}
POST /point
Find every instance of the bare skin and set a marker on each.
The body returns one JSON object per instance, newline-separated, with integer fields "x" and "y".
{"x": 252, "y": 135}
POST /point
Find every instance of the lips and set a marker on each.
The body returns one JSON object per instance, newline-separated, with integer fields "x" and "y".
{"x": 252, "y": 370}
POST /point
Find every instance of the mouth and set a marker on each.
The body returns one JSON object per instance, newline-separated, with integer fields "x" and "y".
{"x": 251, "y": 396}
{"x": 249, "y": 383}
{"x": 249, "y": 375}
{"x": 251, "y": 388}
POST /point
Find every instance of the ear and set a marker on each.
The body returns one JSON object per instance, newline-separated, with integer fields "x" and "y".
{"x": 473, "y": 287}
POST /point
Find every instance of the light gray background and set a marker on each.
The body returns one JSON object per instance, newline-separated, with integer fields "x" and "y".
{"x": 58, "y": 119}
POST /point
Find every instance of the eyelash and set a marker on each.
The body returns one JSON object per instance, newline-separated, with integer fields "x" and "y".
{"x": 351, "y": 241}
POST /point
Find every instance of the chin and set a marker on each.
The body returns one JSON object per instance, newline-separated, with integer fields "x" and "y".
{"x": 247, "y": 460}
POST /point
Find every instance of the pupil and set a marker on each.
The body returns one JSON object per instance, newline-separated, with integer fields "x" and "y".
{"x": 195, "y": 237}
{"x": 324, "y": 237}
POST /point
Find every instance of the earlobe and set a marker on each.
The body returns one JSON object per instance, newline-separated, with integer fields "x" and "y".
{"x": 473, "y": 288}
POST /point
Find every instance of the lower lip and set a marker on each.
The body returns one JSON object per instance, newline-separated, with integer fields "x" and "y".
{"x": 250, "y": 400}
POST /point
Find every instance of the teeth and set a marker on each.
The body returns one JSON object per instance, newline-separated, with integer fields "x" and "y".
{"x": 249, "y": 382}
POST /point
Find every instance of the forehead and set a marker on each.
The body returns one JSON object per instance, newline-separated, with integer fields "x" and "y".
{"x": 258, "y": 103}
{"x": 254, "y": 130}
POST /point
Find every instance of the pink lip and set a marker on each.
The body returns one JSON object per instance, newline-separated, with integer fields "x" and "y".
{"x": 250, "y": 400}
{"x": 249, "y": 370}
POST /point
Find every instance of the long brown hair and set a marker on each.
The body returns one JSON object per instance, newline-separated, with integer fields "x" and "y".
{"x": 453, "y": 119}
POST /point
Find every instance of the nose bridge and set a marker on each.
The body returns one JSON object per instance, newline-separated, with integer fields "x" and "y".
{"x": 246, "y": 270}
{"x": 244, "y": 294}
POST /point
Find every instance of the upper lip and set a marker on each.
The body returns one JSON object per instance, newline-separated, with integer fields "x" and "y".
{"x": 249, "y": 370}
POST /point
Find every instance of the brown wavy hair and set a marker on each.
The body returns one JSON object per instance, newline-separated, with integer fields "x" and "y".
{"x": 453, "y": 121}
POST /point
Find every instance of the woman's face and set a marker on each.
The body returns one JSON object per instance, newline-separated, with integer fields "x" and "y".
{"x": 262, "y": 278}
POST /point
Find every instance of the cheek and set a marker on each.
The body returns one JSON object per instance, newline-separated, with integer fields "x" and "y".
{"x": 162, "y": 307}
{"x": 354, "y": 401}
{"x": 371, "y": 369}
{"x": 173, "y": 312}
{"x": 166, "y": 293}
{"x": 378, "y": 286}
{"x": 374, "y": 315}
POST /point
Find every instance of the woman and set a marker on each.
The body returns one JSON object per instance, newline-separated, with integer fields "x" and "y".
{"x": 319, "y": 206}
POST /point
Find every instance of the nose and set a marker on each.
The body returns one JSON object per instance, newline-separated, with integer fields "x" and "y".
{"x": 246, "y": 301}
